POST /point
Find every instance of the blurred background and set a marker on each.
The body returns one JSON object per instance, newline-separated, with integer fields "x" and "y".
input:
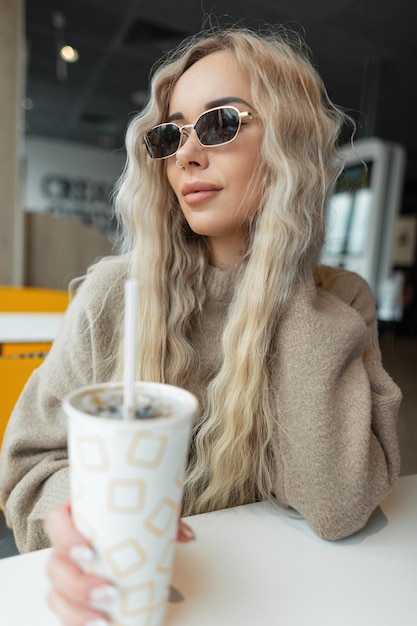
{"x": 73, "y": 73}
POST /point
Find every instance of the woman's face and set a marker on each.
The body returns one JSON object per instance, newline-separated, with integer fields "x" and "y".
{"x": 214, "y": 186}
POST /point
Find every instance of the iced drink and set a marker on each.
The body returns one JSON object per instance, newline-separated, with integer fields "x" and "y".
{"x": 126, "y": 489}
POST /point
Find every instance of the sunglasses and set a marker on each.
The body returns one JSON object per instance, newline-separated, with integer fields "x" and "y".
{"x": 214, "y": 127}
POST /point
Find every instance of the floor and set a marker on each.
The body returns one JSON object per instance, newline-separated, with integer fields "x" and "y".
{"x": 7, "y": 544}
{"x": 400, "y": 360}
{"x": 399, "y": 355}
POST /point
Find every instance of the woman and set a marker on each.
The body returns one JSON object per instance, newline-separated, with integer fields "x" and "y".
{"x": 222, "y": 199}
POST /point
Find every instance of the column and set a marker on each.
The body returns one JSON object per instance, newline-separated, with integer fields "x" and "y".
{"x": 11, "y": 175}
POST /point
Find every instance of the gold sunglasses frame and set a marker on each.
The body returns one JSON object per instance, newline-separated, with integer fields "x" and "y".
{"x": 241, "y": 115}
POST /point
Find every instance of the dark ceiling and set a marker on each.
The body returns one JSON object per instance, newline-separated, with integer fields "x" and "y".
{"x": 366, "y": 51}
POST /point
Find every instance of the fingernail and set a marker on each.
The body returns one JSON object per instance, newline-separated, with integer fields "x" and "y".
{"x": 97, "y": 622}
{"x": 103, "y": 594}
{"x": 81, "y": 555}
{"x": 188, "y": 532}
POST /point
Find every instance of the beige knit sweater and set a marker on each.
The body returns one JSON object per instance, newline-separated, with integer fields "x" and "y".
{"x": 336, "y": 446}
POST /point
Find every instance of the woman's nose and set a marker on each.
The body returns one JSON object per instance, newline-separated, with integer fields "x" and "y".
{"x": 190, "y": 149}
{"x": 185, "y": 132}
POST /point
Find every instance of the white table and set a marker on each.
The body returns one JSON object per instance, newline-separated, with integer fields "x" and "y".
{"x": 256, "y": 566}
{"x": 29, "y": 327}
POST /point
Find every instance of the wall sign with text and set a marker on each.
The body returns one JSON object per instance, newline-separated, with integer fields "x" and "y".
{"x": 83, "y": 199}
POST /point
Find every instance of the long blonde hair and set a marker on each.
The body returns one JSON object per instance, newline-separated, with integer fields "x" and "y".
{"x": 232, "y": 460}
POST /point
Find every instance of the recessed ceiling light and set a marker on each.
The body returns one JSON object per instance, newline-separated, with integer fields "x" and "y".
{"x": 69, "y": 54}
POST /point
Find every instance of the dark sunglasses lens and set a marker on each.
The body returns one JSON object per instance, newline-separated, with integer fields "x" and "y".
{"x": 218, "y": 126}
{"x": 162, "y": 141}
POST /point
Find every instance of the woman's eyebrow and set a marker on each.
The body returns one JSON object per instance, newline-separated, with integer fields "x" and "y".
{"x": 227, "y": 100}
{"x": 175, "y": 116}
{"x": 211, "y": 104}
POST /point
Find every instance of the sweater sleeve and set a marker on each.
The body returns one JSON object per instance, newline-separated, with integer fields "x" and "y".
{"x": 337, "y": 408}
{"x": 33, "y": 461}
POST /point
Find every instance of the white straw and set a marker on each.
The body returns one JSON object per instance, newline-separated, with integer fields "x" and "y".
{"x": 130, "y": 345}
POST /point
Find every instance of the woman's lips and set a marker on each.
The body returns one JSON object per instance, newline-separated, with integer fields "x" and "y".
{"x": 198, "y": 191}
{"x": 199, "y": 196}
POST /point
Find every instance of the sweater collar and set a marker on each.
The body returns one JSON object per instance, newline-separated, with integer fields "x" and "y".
{"x": 220, "y": 283}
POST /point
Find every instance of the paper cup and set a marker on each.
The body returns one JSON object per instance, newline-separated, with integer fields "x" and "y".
{"x": 126, "y": 491}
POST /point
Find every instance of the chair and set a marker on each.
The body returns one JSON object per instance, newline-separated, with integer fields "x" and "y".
{"x": 17, "y": 361}
{"x": 14, "y": 373}
{"x": 30, "y": 300}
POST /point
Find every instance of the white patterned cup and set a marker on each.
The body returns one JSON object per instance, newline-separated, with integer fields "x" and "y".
{"x": 126, "y": 491}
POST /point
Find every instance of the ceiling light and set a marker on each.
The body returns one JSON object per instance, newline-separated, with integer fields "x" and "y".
{"x": 68, "y": 54}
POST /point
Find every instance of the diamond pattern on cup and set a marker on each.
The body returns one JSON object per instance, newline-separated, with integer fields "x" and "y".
{"x": 162, "y": 517}
{"x": 138, "y": 599}
{"x": 179, "y": 474}
{"x": 126, "y": 496}
{"x": 147, "y": 450}
{"x": 165, "y": 562}
{"x": 125, "y": 557}
{"x": 92, "y": 454}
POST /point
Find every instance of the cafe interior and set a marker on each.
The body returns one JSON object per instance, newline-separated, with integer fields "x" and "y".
{"x": 76, "y": 73}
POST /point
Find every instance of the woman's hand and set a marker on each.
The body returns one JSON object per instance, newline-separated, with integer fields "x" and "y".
{"x": 74, "y": 593}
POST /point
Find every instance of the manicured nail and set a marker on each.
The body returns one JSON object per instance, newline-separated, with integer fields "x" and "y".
{"x": 97, "y": 622}
{"x": 103, "y": 594}
{"x": 81, "y": 555}
{"x": 188, "y": 532}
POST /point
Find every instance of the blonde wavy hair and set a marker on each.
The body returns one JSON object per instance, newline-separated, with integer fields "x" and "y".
{"x": 231, "y": 460}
